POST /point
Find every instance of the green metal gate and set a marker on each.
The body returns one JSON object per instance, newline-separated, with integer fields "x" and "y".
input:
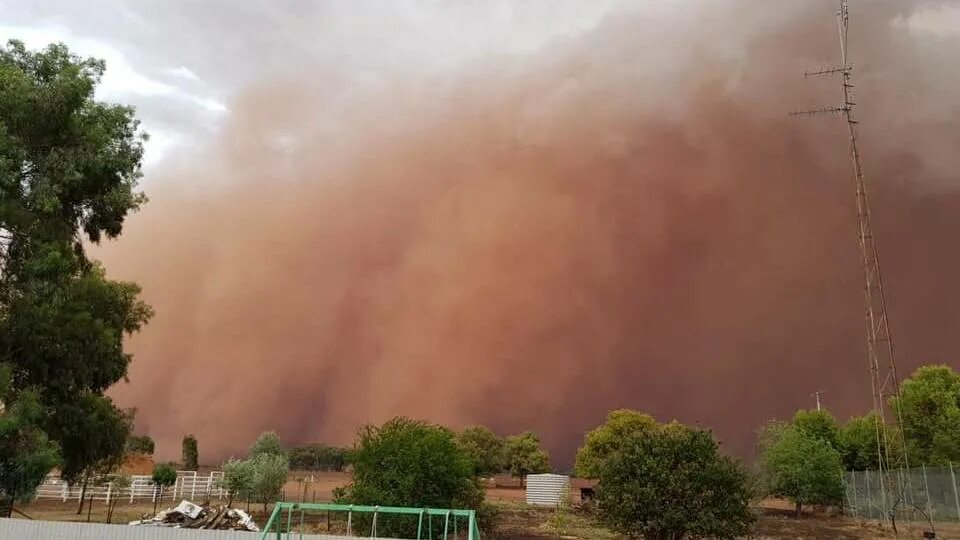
{"x": 288, "y": 520}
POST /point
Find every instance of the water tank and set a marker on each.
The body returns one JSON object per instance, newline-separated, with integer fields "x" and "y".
{"x": 547, "y": 489}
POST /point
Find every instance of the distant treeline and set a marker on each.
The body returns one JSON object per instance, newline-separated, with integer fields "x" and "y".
{"x": 318, "y": 457}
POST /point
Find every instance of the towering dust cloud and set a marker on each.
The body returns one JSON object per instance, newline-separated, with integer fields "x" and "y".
{"x": 624, "y": 218}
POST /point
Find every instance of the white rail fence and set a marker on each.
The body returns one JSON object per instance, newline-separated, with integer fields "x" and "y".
{"x": 189, "y": 485}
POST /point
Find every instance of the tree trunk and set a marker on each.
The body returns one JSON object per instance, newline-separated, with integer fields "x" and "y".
{"x": 83, "y": 493}
{"x": 89, "y": 508}
{"x": 799, "y": 507}
{"x": 660, "y": 535}
{"x": 6, "y": 507}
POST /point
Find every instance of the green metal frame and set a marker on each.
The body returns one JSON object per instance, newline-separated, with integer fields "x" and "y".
{"x": 473, "y": 530}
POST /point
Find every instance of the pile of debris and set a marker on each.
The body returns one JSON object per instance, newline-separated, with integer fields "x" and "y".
{"x": 187, "y": 515}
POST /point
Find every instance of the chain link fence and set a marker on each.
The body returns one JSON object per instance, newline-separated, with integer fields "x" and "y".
{"x": 920, "y": 495}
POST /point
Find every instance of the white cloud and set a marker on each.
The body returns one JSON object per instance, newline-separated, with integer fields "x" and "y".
{"x": 209, "y": 104}
{"x": 941, "y": 20}
{"x": 158, "y": 146}
{"x": 122, "y": 83}
{"x": 120, "y": 78}
{"x": 184, "y": 72}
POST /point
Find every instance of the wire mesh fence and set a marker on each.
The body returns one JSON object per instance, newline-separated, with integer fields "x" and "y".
{"x": 919, "y": 495}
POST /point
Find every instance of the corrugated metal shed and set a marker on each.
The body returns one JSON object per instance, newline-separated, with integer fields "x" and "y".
{"x": 547, "y": 489}
{"x": 24, "y": 529}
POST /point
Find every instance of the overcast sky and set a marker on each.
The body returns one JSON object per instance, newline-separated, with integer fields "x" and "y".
{"x": 181, "y": 62}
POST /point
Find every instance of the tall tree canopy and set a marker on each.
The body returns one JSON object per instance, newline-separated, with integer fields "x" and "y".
{"x": 318, "y": 457}
{"x": 800, "y": 466}
{"x": 69, "y": 167}
{"x": 412, "y": 463}
{"x": 485, "y": 448}
{"x": 930, "y": 404}
{"x": 93, "y": 434}
{"x": 26, "y": 454}
{"x": 408, "y": 462}
{"x": 267, "y": 443}
{"x": 859, "y": 447}
{"x": 665, "y": 481}
{"x": 140, "y": 444}
{"x": 524, "y": 455}
{"x": 190, "y": 454}
{"x": 262, "y": 475}
{"x": 237, "y": 479}
{"x": 606, "y": 439}
{"x": 818, "y": 424}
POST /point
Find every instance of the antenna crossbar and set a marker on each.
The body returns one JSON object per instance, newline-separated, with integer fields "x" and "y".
{"x": 828, "y": 71}
{"x": 822, "y": 110}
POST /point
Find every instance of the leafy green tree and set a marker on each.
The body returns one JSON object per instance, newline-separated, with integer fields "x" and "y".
{"x": 69, "y": 168}
{"x": 485, "y": 449}
{"x": 70, "y": 327}
{"x": 164, "y": 476}
{"x": 317, "y": 457}
{"x": 411, "y": 463}
{"x": 262, "y": 475}
{"x": 267, "y": 443}
{"x": 930, "y": 405}
{"x": 665, "y": 481}
{"x": 818, "y": 425}
{"x": 524, "y": 455}
{"x": 71, "y": 163}
{"x": 269, "y": 475}
{"x": 237, "y": 479}
{"x": 140, "y": 444}
{"x": 858, "y": 439}
{"x": 26, "y": 455}
{"x": 858, "y": 443}
{"x": 190, "y": 453}
{"x": 604, "y": 440}
{"x": 800, "y": 467}
{"x": 93, "y": 434}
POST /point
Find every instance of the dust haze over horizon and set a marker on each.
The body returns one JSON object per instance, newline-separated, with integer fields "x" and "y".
{"x": 621, "y": 215}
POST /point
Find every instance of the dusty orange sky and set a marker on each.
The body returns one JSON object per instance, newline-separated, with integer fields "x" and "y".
{"x": 624, "y": 218}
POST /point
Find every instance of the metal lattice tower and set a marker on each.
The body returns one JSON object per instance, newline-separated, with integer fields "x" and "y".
{"x": 882, "y": 365}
